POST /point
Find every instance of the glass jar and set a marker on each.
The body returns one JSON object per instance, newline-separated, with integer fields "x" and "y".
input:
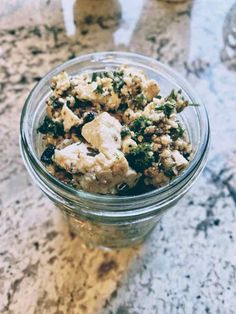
{"x": 107, "y": 220}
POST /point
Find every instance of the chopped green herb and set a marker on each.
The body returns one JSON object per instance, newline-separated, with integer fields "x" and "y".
{"x": 147, "y": 137}
{"x": 140, "y": 101}
{"x": 99, "y": 89}
{"x": 124, "y": 131}
{"x": 90, "y": 116}
{"x": 167, "y": 171}
{"x": 118, "y": 73}
{"x": 173, "y": 95}
{"x": 99, "y": 74}
{"x": 116, "y": 76}
{"x": 68, "y": 176}
{"x": 65, "y": 93}
{"x": 106, "y": 74}
{"x": 175, "y": 133}
{"x": 140, "y": 124}
{"x": 140, "y": 157}
{"x": 118, "y": 81}
{"x": 156, "y": 156}
{"x": 167, "y": 108}
{"x": 51, "y": 127}
{"x": 123, "y": 107}
{"x": 82, "y": 103}
{"x": 56, "y": 104}
{"x": 94, "y": 76}
{"x": 178, "y": 99}
{"x": 68, "y": 103}
{"x": 117, "y": 86}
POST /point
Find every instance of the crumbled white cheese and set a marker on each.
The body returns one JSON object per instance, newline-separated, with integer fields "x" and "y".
{"x": 84, "y": 90}
{"x": 87, "y": 91}
{"x": 165, "y": 140}
{"x": 131, "y": 177}
{"x": 103, "y": 133}
{"x": 136, "y": 75}
{"x": 73, "y": 158}
{"x": 61, "y": 82}
{"x": 127, "y": 144}
{"x": 108, "y": 173}
{"x": 97, "y": 174}
{"x": 151, "y": 113}
{"x": 130, "y": 115}
{"x": 179, "y": 159}
{"x": 69, "y": 118}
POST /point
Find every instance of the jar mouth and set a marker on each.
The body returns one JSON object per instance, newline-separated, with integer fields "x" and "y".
{"x": 74, "y": 194}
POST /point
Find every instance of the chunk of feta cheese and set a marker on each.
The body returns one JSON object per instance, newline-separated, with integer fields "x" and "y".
{"x": 73, "y": 158}
{"x": 84, "y": 90}
{"x": 103, "y": 133}
{"x": 69, "y": 118}
{"x": 97, "y": 174}
{"x": 108, "y": 173}
{"x": 87, "y": 91}
{"x": 136, "y": 75}
{"x": 179, "y": 159}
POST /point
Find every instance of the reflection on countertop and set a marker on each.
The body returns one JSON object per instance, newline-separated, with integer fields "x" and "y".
{"x": 188, "y": 263}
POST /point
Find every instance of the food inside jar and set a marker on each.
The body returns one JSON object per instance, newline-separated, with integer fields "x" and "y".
{"x": 113, "y": 132}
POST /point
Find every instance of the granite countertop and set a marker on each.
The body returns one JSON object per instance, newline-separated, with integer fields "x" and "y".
{"x": 188, "y": 265}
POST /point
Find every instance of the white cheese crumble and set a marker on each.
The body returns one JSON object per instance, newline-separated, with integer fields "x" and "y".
{"x": 98, "y": 174}
{"x": 69, "y": 118}
{"x": 103, "y": 133}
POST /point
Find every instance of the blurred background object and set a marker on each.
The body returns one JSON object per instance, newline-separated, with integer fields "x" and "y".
{"x": 105, "y": 14}
{"x": 228, "y": 53}
{"x": 116, "y": 18}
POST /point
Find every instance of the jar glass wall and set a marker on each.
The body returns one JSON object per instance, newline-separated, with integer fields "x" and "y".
{"x": 107, "y": 220}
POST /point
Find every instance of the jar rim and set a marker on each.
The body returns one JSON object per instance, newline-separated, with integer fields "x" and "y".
{"x": 116, "y": 199}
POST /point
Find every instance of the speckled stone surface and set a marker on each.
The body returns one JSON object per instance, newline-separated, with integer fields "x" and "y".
{"x": 188, "y": 265}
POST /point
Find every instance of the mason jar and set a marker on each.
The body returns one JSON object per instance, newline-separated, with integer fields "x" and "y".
{"x": 110, "y": 220}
